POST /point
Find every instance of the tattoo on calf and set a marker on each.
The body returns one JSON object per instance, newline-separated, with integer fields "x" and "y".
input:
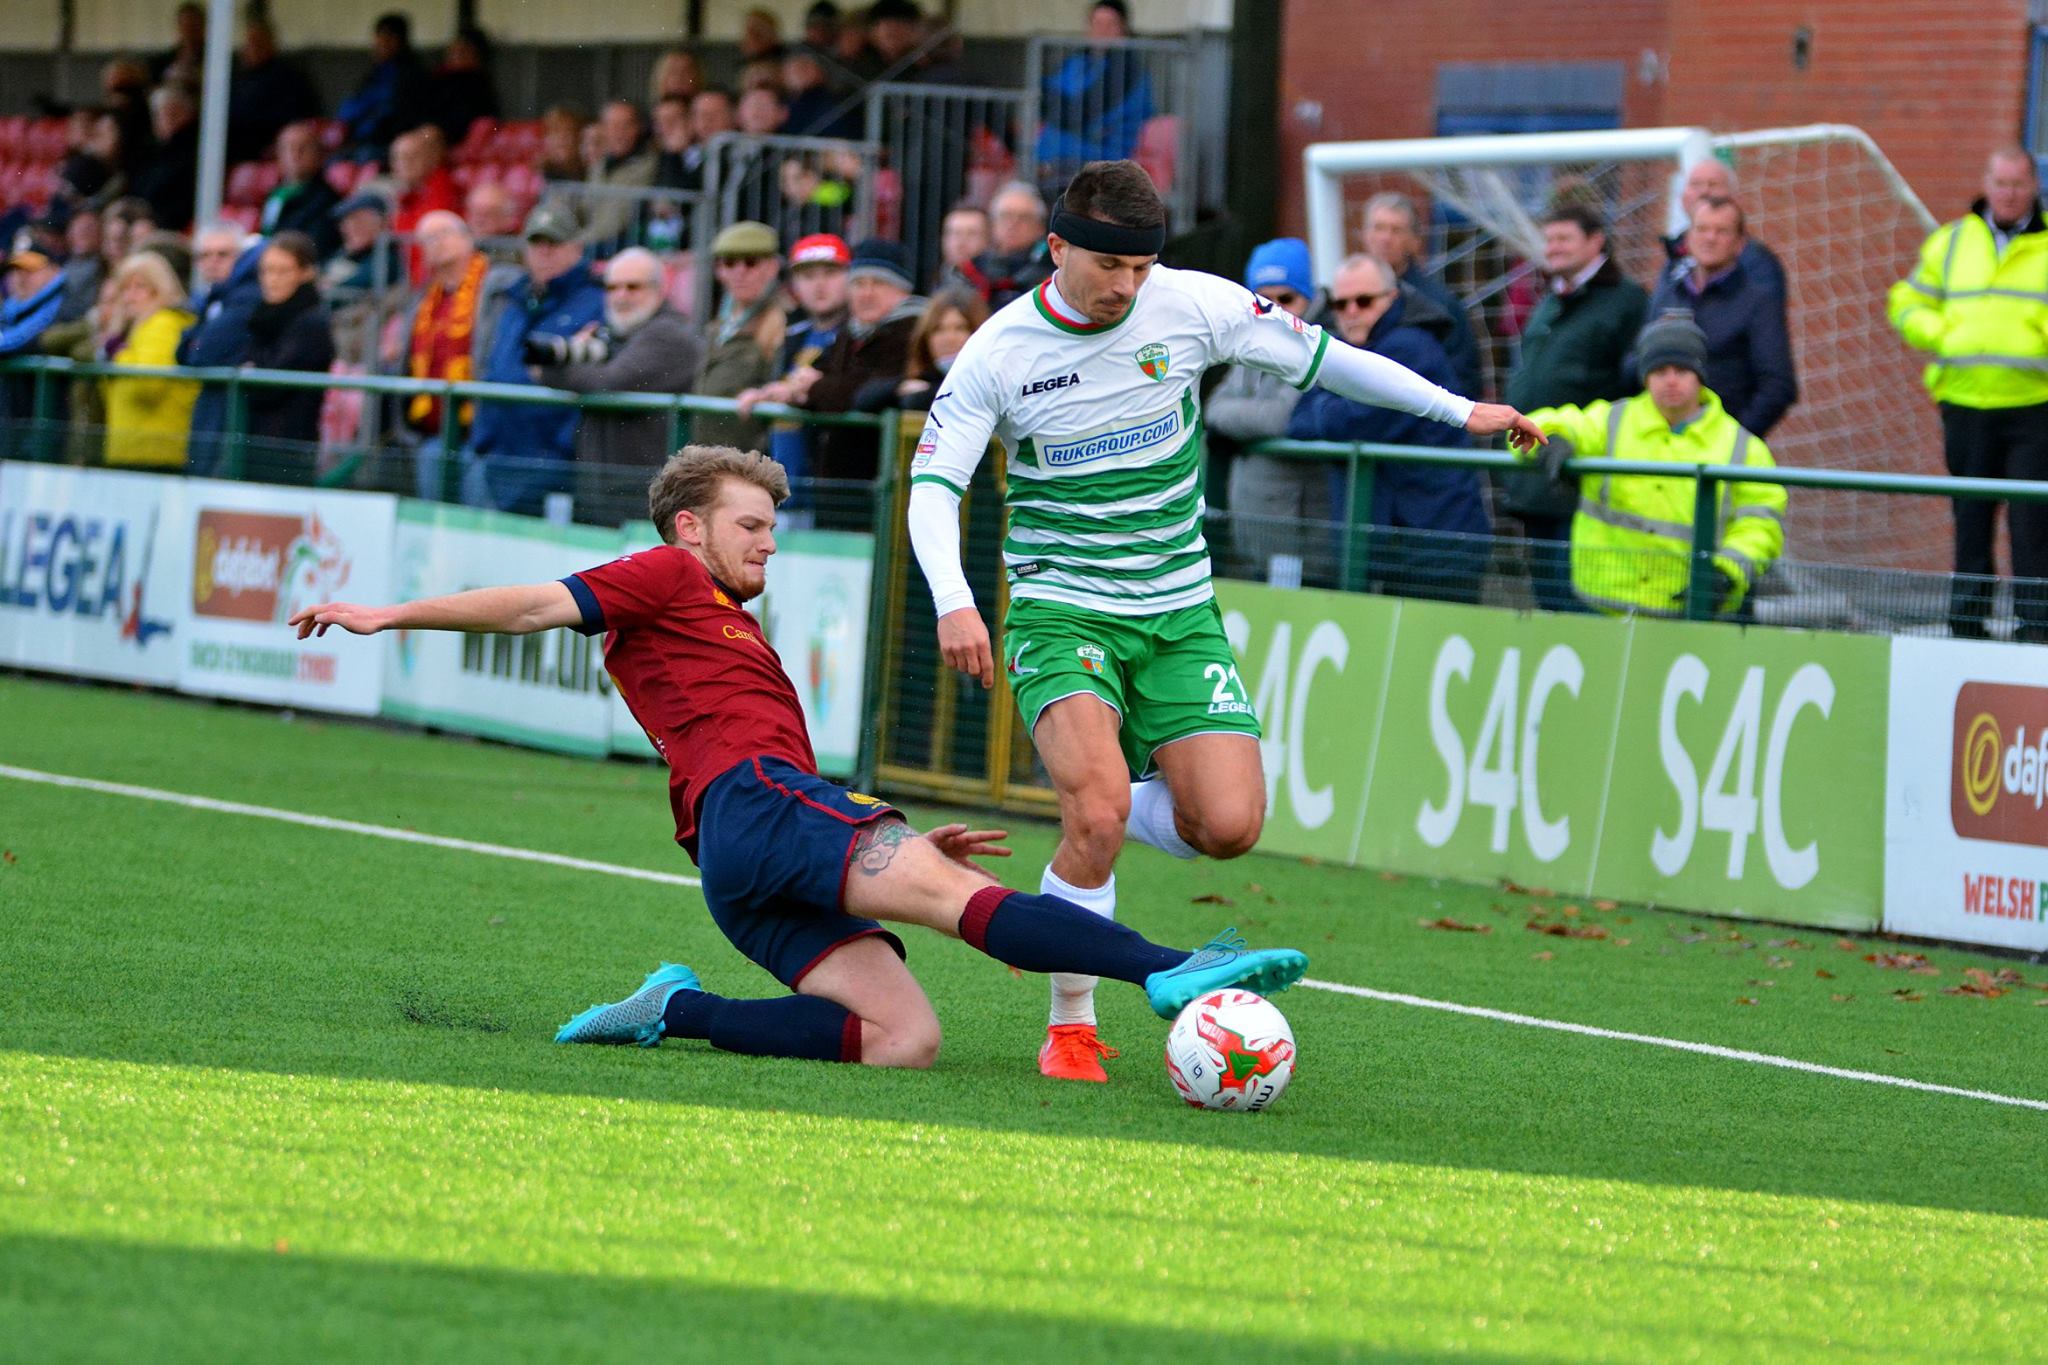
{"x": 876, "y": 846}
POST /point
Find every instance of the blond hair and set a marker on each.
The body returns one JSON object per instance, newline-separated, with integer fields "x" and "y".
{"x": 694, "y": 479}
{"x": 154, "y": 271}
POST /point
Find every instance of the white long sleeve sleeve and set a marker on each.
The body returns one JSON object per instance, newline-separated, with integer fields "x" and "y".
{"x": 1367, "y": 378}
{"x": 934, "y": 518}
{"x": 1251, "y": 331}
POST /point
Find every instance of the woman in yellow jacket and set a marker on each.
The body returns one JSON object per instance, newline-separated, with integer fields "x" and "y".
{"x": 149, "y": 420}
{"x": 1632, "y": 535}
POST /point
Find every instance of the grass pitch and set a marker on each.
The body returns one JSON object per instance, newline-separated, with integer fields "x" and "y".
{"x": 270, "y": 1092}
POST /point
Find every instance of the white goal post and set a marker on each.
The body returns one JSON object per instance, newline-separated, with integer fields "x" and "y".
{"x": 1823, "y": 197}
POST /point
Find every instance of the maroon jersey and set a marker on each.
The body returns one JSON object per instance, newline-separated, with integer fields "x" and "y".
{"x": 695, "y": 669}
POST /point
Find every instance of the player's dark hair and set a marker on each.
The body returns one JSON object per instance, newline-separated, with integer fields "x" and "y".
{"x": 1116, "y": 192}
{"x": 694, "y": 478}
{"x": 1585, "y": 215}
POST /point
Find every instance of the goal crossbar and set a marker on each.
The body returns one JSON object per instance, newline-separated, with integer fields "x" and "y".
{"x": 1327, "y": 163}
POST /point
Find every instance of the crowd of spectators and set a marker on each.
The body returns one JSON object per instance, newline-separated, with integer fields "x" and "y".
{"x": 1693, "y": 371}
{"x": 375, "y": 239}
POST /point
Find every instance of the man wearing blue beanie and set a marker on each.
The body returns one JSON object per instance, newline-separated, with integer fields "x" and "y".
{"x": 1273, "y": 501}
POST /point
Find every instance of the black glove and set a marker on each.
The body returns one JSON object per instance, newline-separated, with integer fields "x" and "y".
{"x": 1725, "y": 586}
{"x": 1551, "y": 455}
{"x": 541, "y": 349}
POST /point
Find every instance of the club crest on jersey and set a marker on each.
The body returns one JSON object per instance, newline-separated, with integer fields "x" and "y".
{"x": 718, "y": 596}
{"x": 1154, "y": 360}
{"x": 1091, "y": 658}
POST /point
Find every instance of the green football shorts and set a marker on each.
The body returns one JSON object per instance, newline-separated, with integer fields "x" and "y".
{"x": 1168, "y": 676}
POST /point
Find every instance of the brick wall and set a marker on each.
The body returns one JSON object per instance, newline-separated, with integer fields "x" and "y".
{"x": 1934, "y": 83}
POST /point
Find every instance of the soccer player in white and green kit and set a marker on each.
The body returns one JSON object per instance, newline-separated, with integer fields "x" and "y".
{"x": 1113, "y": 641}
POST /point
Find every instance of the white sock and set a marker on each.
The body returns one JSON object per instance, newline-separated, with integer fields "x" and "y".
{"x": 1073, "y": 995}
{"x": 1151, "y": 819}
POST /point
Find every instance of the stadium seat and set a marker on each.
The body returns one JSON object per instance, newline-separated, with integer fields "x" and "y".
{"x": 244, "y": 216}
{"x": 248, "y": 182}
{"x": 1159, "y": 149}
{"x": 45, "y": 140}
{"x": 474, "y": 142}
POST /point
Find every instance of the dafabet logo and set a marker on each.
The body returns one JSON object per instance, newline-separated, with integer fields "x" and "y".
{"x": 2001, "y": 764}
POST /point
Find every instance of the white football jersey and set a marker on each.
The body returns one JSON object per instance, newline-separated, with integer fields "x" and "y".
{"x": 1103, "y": 427}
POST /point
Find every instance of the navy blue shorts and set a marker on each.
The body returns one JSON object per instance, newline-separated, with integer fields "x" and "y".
{"x": 773, "y": 846}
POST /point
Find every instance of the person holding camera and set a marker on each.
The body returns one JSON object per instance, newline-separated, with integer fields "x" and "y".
{"x": 643, "y": 346}
{"x": 518, "y": 453}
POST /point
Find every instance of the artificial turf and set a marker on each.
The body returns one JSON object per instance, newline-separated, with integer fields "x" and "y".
{"x": 276, "y": 1092}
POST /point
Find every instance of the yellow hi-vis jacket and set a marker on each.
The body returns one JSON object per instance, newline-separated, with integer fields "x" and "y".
{"x": 1984, "y": 314}
{"x": 1632, "y": 535}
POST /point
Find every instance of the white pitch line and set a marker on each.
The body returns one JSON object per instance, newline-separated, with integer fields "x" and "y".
{"x": 292, "y": 817}
{"x": 1733, "y": 1054}
{"x": 406, "y": 836}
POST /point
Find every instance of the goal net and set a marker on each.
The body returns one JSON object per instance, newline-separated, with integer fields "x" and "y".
{"x": 1823, "y": 198}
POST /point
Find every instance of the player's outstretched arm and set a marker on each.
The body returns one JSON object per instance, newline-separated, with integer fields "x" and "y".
{"x": 1367, "y": 377}
{"x": 498, "y": 611}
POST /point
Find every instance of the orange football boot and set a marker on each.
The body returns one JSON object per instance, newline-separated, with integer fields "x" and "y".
{"x": 1072, "y": 1052}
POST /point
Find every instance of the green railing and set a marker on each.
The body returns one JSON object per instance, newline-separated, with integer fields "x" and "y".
{"x": 47, "y": 371}
{"x": 1362, "y": 458}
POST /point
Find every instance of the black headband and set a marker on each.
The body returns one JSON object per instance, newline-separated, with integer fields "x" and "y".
{"x": 1111, "y": 239}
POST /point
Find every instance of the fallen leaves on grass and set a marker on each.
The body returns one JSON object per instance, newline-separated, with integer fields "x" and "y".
{"x": 1848, "y": 945}
{"x": 1557, "y": 929}
{"x": 1745, "y": 1000}
{"x": 7, "y": 857}
{"x": 1778, "y": 964}
{"x": 1254, "y": 889}
{"x": 1983, "y": 984}
{"x": 1915, "y": 963}
{"x": 1546, "y": 955}
{"x": 1211, "y": 898}
{"x": 1841, "y": 999}
{"x": 1606, "y": 905}
{"x": 1791, "y": 943}
{"x": 1907, "y": 996}
{"x": 1454, "y": 926}
{"x": 1824, "y": 974}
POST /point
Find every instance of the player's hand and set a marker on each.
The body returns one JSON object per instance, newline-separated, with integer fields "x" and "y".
{"x": 961, "y": 844}
{"x": 963, "y": 644}
{"x": 1490, "y": 419}
{"x": 350, "y": 617}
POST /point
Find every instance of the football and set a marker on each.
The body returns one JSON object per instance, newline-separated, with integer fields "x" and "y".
{"x": 1231, "y": 1050}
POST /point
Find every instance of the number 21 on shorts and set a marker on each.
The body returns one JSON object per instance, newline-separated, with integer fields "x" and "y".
{"x": 1229, "y": 697}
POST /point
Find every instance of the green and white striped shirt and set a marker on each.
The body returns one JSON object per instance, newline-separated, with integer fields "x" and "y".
{"x": 1104, "y": 431}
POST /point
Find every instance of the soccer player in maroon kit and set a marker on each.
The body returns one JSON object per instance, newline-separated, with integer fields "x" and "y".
{"x": 796, "y": 869}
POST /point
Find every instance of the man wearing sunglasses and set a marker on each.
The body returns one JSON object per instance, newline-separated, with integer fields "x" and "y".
{"x": 743, "y": 342}
{"x": 1429, "y": 528}
{"x": 643, "y": 346}
{"x": 1113, "y": 641}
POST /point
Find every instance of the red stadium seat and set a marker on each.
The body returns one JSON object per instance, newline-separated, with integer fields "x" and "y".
{"x": 14, "y": 131}
{"x": 46, "y": 138}
{"x": 522, "y": 181}
{"x": 474, "y": 142}
{"x": 1159, "y": 149}
{"x": 245, "y": 184}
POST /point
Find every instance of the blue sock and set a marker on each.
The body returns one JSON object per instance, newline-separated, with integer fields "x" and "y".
{"x": 1047, "y": 934}
{"x": 806, "y": 1026}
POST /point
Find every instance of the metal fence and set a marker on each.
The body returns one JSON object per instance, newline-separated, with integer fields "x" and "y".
{"x": 942, "y": 145}
{"x": 1135, "y": 97}
{"x": 938, "y": 734}
{"x": 796, "y": 185}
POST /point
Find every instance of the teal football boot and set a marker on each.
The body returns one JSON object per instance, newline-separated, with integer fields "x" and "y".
{"x": 1220, "y": 963}
{"x": 637, "y": 1018}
